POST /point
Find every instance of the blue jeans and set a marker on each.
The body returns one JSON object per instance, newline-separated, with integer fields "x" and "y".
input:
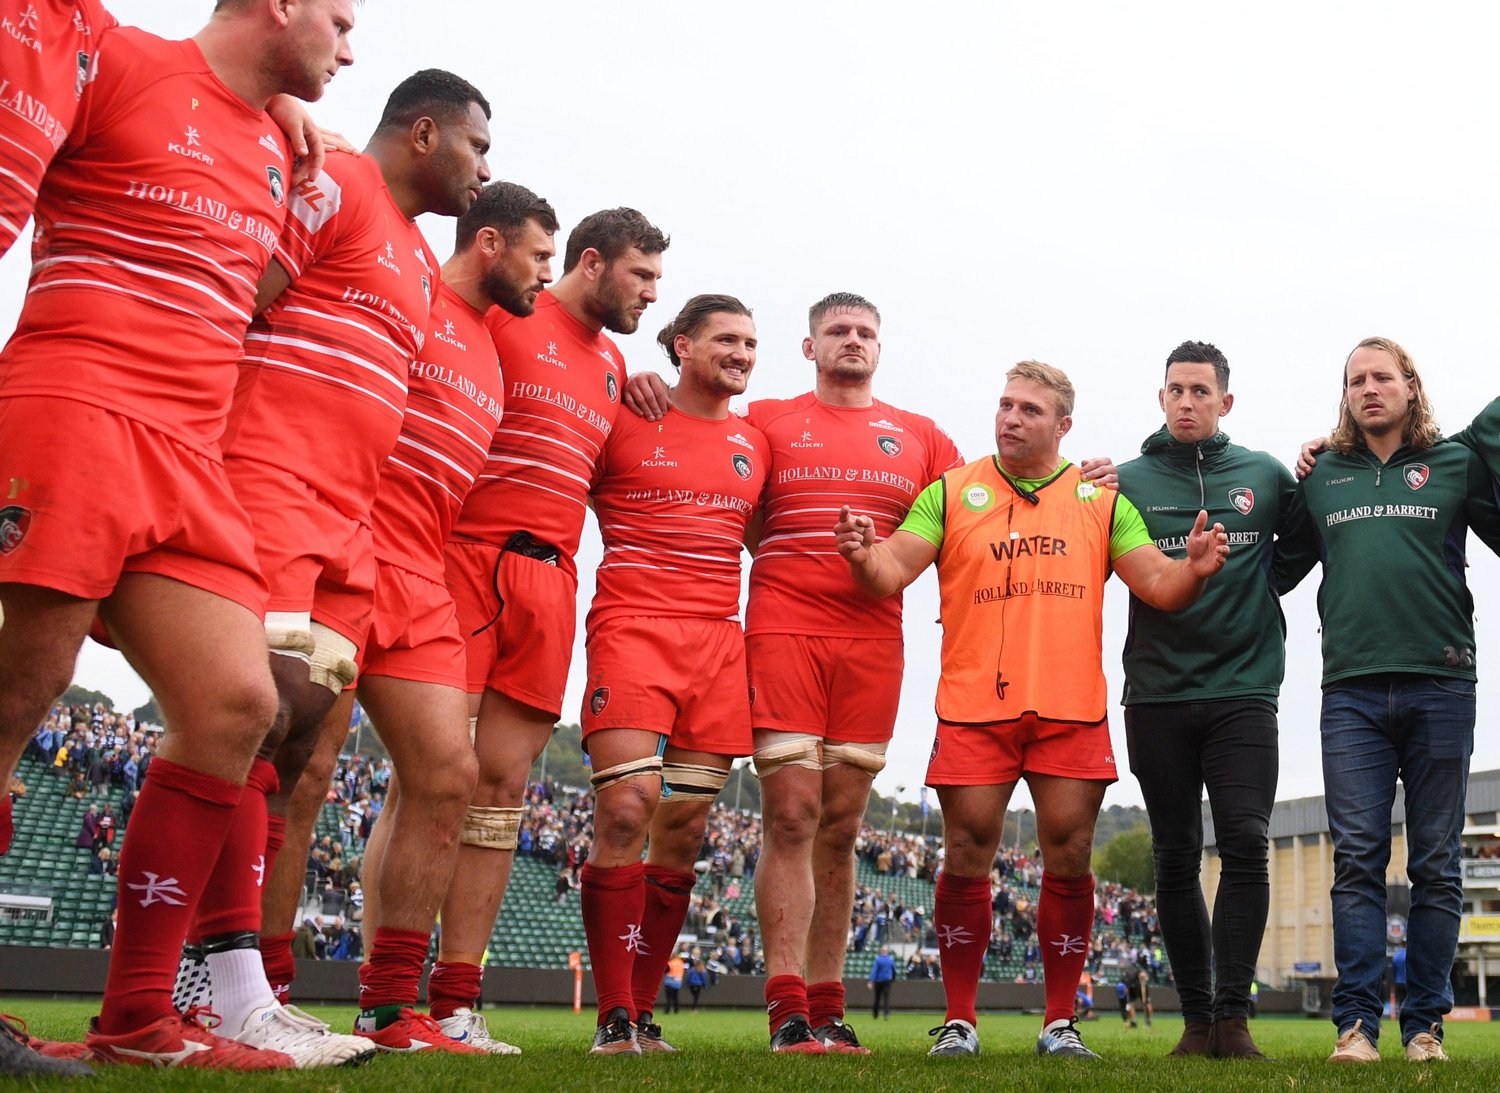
{"x": 1375, "y": 729}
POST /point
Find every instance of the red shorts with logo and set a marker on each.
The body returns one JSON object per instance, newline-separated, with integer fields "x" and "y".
{"x": 86, "y": 495}
{"x": 414, "y": 630}
{"x": 991, "y": 755}
{"x": 842, "y": 689}
{"x": 314, "y": 557}
{"x": 683, "y": 678}
{"x": 518, "y": 616}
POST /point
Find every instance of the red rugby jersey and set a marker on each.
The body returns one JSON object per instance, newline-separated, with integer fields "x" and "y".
{"x": 875, "y": 459}
{"x": 322, "y": 388}
{"x": 48, "y": 51}
{"x": 154, "y": 225}
{"x": 453, "y": 406}
{"x": 673, "y": 498}
{"x": 562, "y": 397}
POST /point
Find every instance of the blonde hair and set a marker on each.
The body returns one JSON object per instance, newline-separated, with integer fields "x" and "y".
{"x": 1047, "y": 376}
{"x": 1421, "y": 430}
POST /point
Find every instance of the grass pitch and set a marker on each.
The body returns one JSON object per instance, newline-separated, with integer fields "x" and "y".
{"x": 727, "y": 1050}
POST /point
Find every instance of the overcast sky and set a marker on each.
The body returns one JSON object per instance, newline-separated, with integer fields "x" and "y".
{"x": 1086, "y": 184}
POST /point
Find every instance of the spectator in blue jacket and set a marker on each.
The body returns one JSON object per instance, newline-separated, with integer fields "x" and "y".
{"x": 882, "y": 975}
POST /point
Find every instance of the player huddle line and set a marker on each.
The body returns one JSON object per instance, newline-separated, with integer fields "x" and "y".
{"x": 374, "y": 466}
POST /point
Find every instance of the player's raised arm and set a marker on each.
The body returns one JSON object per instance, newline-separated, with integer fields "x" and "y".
{"x": 1171, "y": 585}
{"x": 882, "y": 568}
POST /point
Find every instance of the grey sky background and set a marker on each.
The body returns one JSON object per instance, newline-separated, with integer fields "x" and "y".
{"x": 1086, "y": 184}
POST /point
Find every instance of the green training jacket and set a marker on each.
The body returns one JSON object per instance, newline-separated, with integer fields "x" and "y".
{"x": 1232, "y": 642}
{"x": 1392, "y": 538}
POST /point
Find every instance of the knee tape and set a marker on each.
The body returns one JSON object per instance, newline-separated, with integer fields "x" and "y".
{"x": 791, "y": 749}
{"x": 289, "y": 633}
{"x": 649, "y": 767}
{"x": 684, "y": 782}
{"x": 869, "y": 758}
{"x": 491, "y": 828}
{"x": 473, "y": 730}
{"x": 332, "y": 662}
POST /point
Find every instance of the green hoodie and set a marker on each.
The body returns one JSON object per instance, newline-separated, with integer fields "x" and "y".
{"x": 1392, "y": 539}
{"x": 1232, "y": 642}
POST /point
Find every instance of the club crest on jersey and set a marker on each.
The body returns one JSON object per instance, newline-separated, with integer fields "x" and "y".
{"x": 278, "y": 185}
{"x": 426, "y": 289}
{"x": 14, "y": 520}
{"x": 1416, "y": 475}
{"x": 81, "y": 77}
{"x": 889, "y": 445}
{"x": 741, "y": 464}
{"x": 1243, "y": 499}
{"x": 611, "y": 386}
{"x": 598, "y": 700}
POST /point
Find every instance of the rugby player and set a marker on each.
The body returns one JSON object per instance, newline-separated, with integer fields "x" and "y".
{"x": 1023, "y": 545}
{"x": 666, "y": 707}
{"x": 412, "y": 678}
{"x": 821, "y": 653}
{"x": 169, "y": 563}
{"x": 317, "y": 409}
{"x": 509, "y": 564}
{"x": 46, "y": 61}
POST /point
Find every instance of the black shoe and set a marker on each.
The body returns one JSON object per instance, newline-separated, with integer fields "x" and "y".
{"x": 796, "y": 1037}
{"x": 616, "y": 1036}
{"x": 839, "y": 1039}
{"x": 17, "y": 1056}
{"x": 648, "y": 1035}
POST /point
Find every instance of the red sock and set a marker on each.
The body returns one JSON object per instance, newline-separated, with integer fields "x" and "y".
{"x": 668, "y": 892}
{"x": 390, "y": 976}
{"x": 231, "y": 902}
{"x": 452, "y": 986}
{"x": 612, "y": 903}
{"x": 7, "y": 822}
{"x": 281, "y": 969}
{"x": 275, "y": 836}
{"x": 1064, "y": 922}
{"x": 961, "y": 913}
{"x": 178, "y": 827}
{"x": 825, "y": 1003}
{"x": 276, "y": 949}
{"x": 786, "y": 997}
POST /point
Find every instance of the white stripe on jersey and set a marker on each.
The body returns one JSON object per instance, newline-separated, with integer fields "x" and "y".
{"x": 327, "y": 351}
{"x": 160, "y": 244}
{"x": 288, "y": 366}
{"x": 144, "y": 271}
{"x": 423, "y": 474}
{"x": 435, "y": 454}
{"x": 67, "y": 282}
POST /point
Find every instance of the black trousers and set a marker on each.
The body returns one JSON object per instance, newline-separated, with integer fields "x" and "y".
{"x": 1229, "y": 747}
{"x": 882, "y": 998}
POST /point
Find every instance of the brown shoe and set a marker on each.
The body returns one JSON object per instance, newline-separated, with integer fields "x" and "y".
{"x": 1426, "y": 1047}
{"x": 1195, "y": 1039}
{"x": 1354, "y": 1047}
{"x": 1231, "y": 1040}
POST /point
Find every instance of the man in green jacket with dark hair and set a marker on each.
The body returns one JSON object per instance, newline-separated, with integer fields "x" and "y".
{"x": 1389, "y": 510}
{"x": 1200, "y": 696}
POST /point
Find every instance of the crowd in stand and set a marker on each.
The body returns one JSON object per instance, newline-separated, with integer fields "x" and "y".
{"x": 97, "y": 749}
{"x": 106, "y": 749}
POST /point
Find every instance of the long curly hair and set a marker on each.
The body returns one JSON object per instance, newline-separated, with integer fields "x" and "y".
{"x": 1421, "y": 430}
